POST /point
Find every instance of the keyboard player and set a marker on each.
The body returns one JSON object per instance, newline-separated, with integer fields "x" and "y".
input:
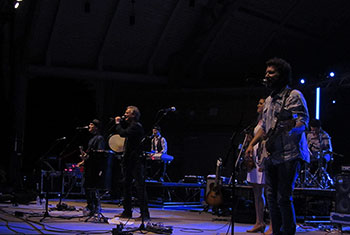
{"x": 159, "y": 146}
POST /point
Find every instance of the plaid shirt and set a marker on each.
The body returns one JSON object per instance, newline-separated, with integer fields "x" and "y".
{"x": 287, "y": 146}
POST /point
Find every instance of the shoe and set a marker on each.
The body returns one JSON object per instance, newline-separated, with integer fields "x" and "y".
{"x": 124, "y": 215}
{"x": 268, "y": 232}
{"x": 256, "y": 229}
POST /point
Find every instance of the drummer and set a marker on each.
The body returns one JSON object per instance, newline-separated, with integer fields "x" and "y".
{"x": 319, "y": 143}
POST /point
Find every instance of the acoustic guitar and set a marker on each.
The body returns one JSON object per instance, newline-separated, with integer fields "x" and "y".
{"x": 214, "y": 197}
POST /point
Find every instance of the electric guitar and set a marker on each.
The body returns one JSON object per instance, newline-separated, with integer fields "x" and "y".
{"x": 284, "y": 123}
{"x": 214, "y": 197}
{"x": 83, "y": 155}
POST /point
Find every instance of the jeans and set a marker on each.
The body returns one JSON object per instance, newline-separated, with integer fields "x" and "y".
{"x": 280, "y": 180}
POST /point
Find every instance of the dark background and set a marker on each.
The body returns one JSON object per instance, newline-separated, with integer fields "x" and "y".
{"x": 64, "y": 63}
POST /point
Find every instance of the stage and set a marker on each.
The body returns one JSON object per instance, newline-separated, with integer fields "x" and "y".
{"x": 189, "y": 216}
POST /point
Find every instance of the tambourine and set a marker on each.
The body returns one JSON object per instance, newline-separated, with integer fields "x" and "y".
{"x": 116, "y": 143}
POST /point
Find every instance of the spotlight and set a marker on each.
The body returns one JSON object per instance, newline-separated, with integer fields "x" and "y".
{"x": 302, "y": 81}
{"x": 333, "y": 102}
{"x": 332, "y": 74}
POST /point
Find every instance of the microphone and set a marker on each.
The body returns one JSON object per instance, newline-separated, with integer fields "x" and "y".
{"x": 171, "y": 109}
{"x": 82, "y": 127}
{"x": 62, "y": 138}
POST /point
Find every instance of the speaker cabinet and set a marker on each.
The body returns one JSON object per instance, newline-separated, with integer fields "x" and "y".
{"x": 342, "y": 202}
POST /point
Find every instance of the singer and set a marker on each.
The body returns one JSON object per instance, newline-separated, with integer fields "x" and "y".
{"x": 96, "y": 142}
{"x": 287, "y": 144}
{"x": 128, "y": 126}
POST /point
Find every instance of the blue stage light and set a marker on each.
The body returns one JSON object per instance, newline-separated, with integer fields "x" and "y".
{"x": 333, "y": 101}
{"x": 332, "y": 74}
{"x": 318, "y": 96}
{"x": 302, "y": 81}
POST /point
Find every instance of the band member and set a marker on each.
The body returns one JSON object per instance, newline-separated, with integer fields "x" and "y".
{"x": 96, "y": 142}
{"x": 284, "y": 120}
{"x": 319, "y": 143}
{"x": 256, "y": 177}
{"x": 129, "y": 127}
{"x": 159, "y": 144}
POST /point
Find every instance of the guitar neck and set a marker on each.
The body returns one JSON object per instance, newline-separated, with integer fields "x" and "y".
{"x": 217, "y": 174}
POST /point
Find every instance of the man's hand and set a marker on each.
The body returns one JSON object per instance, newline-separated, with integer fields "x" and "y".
{"x": 117, "y": 119}
{"x": 249, "y": 151}
{"x": 79, "y": 164}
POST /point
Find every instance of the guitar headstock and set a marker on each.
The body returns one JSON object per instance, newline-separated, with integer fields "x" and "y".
{"x": 219, "y": 162}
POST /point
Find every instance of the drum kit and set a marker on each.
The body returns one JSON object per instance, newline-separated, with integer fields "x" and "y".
{"x": 314, "y": 174}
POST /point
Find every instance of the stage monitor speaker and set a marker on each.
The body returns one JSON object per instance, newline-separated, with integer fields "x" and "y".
{"x": 342, "y": 201}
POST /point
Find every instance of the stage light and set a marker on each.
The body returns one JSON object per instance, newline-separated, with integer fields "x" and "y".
{"x": 16, "y": 5}
{"x": 333, "y": 102}
{"x": 318, "y": 89}
{"x": 302, "y": 81}
{"x": 331, "y": 74}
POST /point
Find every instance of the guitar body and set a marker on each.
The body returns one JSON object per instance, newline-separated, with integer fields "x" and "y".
{"x": 214, "y": 196}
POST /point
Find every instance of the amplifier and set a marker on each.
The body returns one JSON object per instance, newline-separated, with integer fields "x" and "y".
{"x": 193, "y": 179}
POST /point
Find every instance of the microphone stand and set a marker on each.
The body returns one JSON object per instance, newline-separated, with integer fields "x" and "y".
{"x": 234, "y": 202}
{"x": 59, "y": 206}
{"x": 42, "y": 159}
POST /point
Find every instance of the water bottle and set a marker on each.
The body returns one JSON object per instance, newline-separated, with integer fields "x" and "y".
{"x": 38, "y": 201}
{"x": 43, "y": 203}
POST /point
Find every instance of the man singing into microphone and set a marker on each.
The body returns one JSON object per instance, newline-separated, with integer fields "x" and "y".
{"x": 284, "y": 120}
{"x": 129, "y": 127}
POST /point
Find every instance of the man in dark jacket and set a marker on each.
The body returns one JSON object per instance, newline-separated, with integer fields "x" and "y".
{"x": 128, "y": 126}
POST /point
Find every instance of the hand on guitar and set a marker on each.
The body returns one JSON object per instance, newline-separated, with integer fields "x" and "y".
{"x": 248, "y": 158}
{"x": 79, "y": 164}
{"x": 83, "y": 155}
{"x": 249, "y": 151}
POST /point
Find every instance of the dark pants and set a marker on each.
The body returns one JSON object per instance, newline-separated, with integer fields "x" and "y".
{"x": 280, "y": 181}
{"x": 134, "y": 173}
{"x": 90, "y": 186}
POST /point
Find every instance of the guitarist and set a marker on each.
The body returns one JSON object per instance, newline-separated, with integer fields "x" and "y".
{"x": 284, "y": 120}
{"x": 96, "y": 142}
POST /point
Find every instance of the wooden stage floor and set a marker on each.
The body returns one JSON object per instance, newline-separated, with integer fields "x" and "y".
{"x": 29, "y": 219}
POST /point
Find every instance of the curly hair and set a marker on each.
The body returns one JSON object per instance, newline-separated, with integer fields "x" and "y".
{"x": 283, "y": 68}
